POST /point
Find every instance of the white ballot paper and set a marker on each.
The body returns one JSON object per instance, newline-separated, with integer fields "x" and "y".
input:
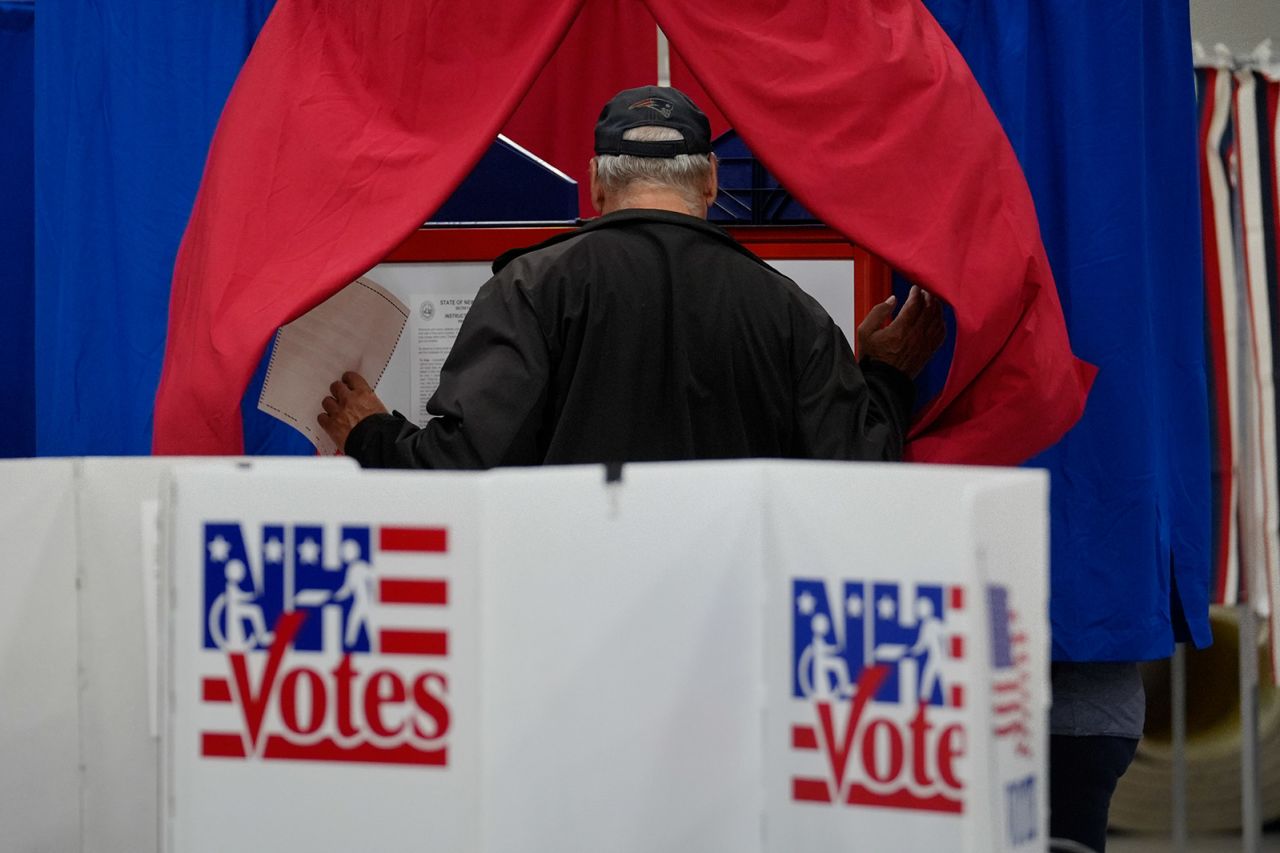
{"x": 355, "y": 329}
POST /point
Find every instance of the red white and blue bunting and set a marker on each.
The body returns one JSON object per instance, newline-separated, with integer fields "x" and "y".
{"x": 1240, "y": 197}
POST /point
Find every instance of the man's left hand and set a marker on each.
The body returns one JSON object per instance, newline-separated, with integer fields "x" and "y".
{"x": 910, "y": 340}
{"x": 351, "y": 401}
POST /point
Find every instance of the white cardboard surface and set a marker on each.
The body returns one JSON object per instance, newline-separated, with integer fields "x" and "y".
{"x": 119, "y": 752}
{"x": 1009, "y": 517}
{"x": 39, "y": 706}
{"x": 860, "y": 548}
{"x": 619, "y": 670}
{"x": 621, "y": 659}
{"x": 271, "y": 802}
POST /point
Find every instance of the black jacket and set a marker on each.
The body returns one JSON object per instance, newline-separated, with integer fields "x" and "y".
{"x": 644, "y": 335}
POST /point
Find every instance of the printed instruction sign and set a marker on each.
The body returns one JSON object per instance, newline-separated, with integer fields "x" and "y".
{"x": 434, "y": 327}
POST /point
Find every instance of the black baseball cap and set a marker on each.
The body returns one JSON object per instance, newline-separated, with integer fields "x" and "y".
{"x": 659, "y": 106}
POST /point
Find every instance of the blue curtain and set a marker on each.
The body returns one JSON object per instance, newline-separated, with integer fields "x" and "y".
{"x": 17, "y": 224}
{"x": 1098, "y": 100}
{"x": 129, "y": 96}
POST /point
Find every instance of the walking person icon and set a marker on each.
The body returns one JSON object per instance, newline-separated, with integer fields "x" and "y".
{"x": 358, "y": 586}
{"x": 929, "y": 643}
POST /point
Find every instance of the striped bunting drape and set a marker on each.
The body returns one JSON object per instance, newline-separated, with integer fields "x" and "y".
{"x": 1240, "y": 198}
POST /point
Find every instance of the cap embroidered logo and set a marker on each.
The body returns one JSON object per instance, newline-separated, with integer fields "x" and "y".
{"x": 658, "y": 105}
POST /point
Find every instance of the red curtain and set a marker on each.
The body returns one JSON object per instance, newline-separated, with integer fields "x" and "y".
{"x": 613, "y": 45}
{"x": 865, "y": 111}
{"x": 683, "y": 79}
{"x": 348, "y": 125}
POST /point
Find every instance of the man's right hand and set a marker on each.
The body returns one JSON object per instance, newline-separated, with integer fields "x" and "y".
{"x": 910, "y": 340}
{"x": 351, "y": 400}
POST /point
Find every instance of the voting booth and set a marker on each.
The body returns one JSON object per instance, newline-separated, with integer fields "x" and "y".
{"x": 80, "y": 650}
{"x": 295, "y": 654}
{"x": 291, "y": 654}
{"x": 714, "y": 656}
{"x": 400, "y": 319}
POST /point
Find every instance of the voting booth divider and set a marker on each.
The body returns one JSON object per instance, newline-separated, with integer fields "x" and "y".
{"x": 38, "y": 654}
{"x": 717, "y": 656}
{"x": 79, "y": 619}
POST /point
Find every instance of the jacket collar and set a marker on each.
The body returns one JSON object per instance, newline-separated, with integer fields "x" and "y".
{"x": 623, "y": 218}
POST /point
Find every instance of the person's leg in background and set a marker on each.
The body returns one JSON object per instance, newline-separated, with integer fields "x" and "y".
{"x": 1094, "y": 727}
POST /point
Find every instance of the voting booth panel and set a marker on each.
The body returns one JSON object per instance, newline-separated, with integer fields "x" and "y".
{"x": 1011, "y": 558}
{"x": 118, "y": 593}
{"x": 541, "y": 660}
{"x": 622, "y": 659}
{"x": 118, "y": 606}
{"x": 39, "y": 703}
{"x": 322, "y": 686}
{"x": 907, "y": 658}
{"x": 79, "y": 650}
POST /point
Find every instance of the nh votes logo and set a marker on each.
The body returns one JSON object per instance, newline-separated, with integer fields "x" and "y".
{"x": 878, "y": 719}
{"x": 325, "y": 643}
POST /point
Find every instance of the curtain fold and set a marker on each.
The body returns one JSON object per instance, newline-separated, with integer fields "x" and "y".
{"x": 618, "y": 41}
{"x": 17, "y": 227}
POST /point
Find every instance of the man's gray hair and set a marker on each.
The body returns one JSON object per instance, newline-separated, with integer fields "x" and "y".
{"x": 687, "y": 174}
